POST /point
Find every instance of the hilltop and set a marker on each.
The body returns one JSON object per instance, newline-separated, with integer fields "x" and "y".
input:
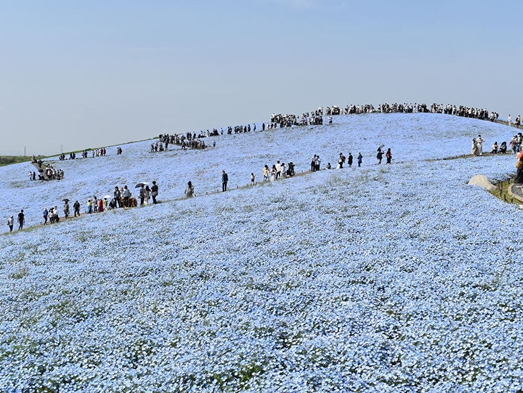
{"x": 373, "y": 279}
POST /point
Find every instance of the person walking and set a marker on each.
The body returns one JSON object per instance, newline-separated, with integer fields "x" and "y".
{"x": 225, "y": 179}
{"x": 360, "y": 159}
{"x": 21, "y": 220}
{"x": 266, "y": 173}
{"x": 10, "y": 223}
{"x": 349, "y": 160}
{"x": 154, "y": 192}
{"x": 253, "y": 177}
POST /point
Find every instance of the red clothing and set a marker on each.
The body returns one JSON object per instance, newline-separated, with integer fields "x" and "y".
{"x": 100, "y": 205}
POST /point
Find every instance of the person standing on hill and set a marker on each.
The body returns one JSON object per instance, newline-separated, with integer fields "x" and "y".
{"x": 379, "y": 155}
{"x": 388, "y": 156}
{"x": 154, "y": 192}
{"x": 360, "y": 159}
{"x": 479, "y": 145}
{"x": 225, "y": 179}
{"x": 100, "y": 205}
{"x": 350, "y": 159}
{"x": 76, "y": 208}
{"x": 474, "y": 147}
{"x": 519, "y": 167}
{"x": 21, "y": 220}
{"x": 266, "y": 173}
{"x": 10, "y": 223}
{"x": 126, "y": 196}
{"x": 189, "y": 190}
{"x": 142, "y": 194}
{"x": 66, "y": 209}
{"x": 117, "y": 196}
{"x": 313, "y": 163}
{"x": 147, "y": 194}
{"x": 341, "y": 161}
{"x": 45, "y": 214}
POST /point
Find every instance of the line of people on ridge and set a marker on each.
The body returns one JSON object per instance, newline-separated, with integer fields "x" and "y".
{"x": 278, "y": 171}
{"x": 122, "y": 197}
{"x": 94, "y": 153}
{"x": 45, "y": 171}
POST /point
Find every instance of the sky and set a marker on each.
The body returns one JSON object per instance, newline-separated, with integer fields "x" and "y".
{"x": 77, "y": 75}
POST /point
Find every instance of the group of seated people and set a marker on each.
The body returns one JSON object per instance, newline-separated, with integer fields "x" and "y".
{"x": 52, "y": 173}
{"x": 499, "y": 149}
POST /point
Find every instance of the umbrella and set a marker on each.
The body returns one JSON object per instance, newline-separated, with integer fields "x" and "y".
{"x": 66, "y": 200}
{"x": 141, "y": 184}
{"x": 107, "y": 197}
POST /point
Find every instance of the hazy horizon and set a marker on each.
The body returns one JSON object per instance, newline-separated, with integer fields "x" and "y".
{"x": 84, "y": 75}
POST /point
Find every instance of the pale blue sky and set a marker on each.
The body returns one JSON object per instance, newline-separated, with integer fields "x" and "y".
{"x": 77, "y": 75}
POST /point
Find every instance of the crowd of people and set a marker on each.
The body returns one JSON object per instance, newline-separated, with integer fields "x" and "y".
{"x": 516, "y": 123}
{"x": 316, "y": 117}
{"x": 515, "y": 145}
{"x": 189, "y": 140}
{"x": 85, "y": 153}
{"x": 278, "y": 171}
{"x": 122, "y": 197}
{"x": 45, "y": 172}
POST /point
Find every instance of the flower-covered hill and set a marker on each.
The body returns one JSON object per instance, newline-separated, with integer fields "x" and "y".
{"x": 412, "y": 137}
{"x": 386, "y": 278}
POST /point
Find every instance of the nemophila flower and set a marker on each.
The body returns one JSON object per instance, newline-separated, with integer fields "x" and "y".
{"x": 375, "y": 279}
